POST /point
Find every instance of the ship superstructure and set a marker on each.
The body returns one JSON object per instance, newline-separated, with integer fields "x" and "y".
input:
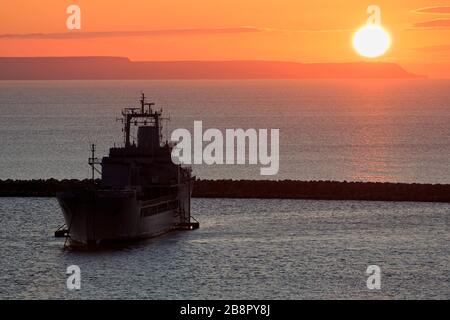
{"x": 141, "y": 194}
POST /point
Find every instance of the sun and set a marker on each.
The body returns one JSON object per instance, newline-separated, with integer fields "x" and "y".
{"x": 371, "y": 41}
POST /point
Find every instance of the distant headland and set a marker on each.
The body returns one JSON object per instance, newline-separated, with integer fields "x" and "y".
{"x": 118, "y": 68}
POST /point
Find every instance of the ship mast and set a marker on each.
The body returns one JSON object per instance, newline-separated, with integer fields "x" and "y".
{"x": 142, "y": 115}
{"x": 93, "y": 161}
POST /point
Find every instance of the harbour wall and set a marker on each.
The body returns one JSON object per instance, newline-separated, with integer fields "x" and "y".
{"x": 259, "y": 189}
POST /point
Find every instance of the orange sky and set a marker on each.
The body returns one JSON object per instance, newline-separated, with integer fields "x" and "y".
{"x": 292, "y": 30}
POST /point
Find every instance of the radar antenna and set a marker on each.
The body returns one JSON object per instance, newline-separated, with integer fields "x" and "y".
{"x": 93, "y": 161}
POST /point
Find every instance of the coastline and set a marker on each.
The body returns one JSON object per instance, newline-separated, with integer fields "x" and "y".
{"x": 259, "y": 189}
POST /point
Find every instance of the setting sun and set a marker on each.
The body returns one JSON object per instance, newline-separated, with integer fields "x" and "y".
{"x": 371, "y": 41}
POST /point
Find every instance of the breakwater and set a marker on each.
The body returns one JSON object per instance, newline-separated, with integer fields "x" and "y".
{"x": 322, "y": 190}
{"x": 263, "y": 189}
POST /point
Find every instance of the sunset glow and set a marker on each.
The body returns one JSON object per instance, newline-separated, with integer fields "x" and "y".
{"x": 297, "y": 31}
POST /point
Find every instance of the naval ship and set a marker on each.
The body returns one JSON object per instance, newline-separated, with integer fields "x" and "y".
{"x": 141, "y": 193}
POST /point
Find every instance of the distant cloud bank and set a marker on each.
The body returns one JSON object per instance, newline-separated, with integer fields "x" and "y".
{"x": 118, "y": 34}
{"x": 152, "y": 33}
{"x": 433, "y": 24}
{"x": 438, "y": 10}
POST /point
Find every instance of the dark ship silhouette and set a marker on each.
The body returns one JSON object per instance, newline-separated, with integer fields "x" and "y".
{"x": 141, "y": 194}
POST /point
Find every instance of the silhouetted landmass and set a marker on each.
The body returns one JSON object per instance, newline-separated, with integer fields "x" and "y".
{"x": 97, "y": 68}
{"x": 262, "y": 189}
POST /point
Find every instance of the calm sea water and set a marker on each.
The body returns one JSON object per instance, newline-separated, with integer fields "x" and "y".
{"x": 268, "y": 249}
{"x": 371, "y": 130}
{"x": 265, "y": 249}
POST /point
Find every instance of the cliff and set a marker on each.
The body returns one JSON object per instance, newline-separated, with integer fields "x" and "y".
{"x": 115, "y": 68}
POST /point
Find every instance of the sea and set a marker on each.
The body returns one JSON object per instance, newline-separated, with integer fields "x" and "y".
{"x": 355, "y": 130}
{"x": 343, "y": 130}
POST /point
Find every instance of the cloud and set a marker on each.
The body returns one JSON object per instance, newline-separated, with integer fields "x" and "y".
{"x": 117, "y": 34}
{"x": 433, "y": 24}
{"x": 437, "y": 10}
{"x": 152, "y": 33}
{"x": 309, "y": 30}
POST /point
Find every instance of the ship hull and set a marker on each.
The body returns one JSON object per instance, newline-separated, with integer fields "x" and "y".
{"x": 95, "y": 217}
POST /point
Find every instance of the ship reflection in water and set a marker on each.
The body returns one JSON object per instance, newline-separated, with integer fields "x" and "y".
{"x": 142, "y": 193}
